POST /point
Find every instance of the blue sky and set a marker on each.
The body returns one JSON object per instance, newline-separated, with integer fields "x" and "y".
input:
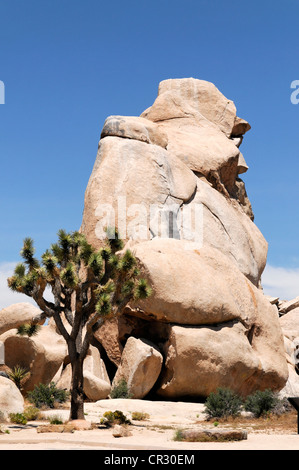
{"x": 68, "y": 64}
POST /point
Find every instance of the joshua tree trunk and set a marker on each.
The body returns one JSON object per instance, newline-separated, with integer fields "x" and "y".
{"x": 77, "y": 355}
{"x": 77, "y": 394}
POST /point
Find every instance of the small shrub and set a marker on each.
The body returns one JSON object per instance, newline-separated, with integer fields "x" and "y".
{"x": 31, "y": 413}
{"x": 3, "y": 430}
{"x": 282, "y": 406}
{"x": 178, "y": 435}
{"x": 223, "y": 403}
{"x": 139, "y": 416}
{"x": 28, "y": 329}
{"x": 18, "y": 418}
{"x": 120, "y": 390}
{"x": 47, "y": 395}
{"x": 261, "y": 402}
{"x": 114, "y": 417}
{"x": 17, "y": 375}
{"x": 55, "y": 419}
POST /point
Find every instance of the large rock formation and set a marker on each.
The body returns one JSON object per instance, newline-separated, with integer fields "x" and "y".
{"x": 170, "y": 165}
{"x": 169, "y": 180}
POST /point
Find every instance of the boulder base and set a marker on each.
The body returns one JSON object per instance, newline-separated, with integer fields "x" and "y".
{"x": 140, "y": 366}
{"x": 11, "y": 399}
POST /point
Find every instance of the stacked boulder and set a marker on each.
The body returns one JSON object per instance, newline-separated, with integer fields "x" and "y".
{"x": 170, "y": 181}
{"x": 288, "y": 313}
{"x": 44, "y": 356}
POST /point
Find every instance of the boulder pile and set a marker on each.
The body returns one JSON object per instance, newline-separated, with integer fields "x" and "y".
{"x": 170, "y": 181}
{"x": 44, "y": 356}
{"x": 288, "y": 313}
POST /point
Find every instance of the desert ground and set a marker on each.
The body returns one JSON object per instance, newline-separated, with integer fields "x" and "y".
{"x": 156, "y": 433}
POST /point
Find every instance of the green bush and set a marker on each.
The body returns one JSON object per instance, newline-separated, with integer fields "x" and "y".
{"x": 47, "y": 395}
{"x": 261, "y": 402}
{"x": 223, "y": 403}
{"x": 114, "y": 417}
{"x": 55, "y": 419}
{"x": 18, "y": 418}
{"x": 3, "y": 430}
{"x": 120, "y": 390}
{"x": 178, "y": 435}
{"x": 31, "y": 413}
{"x": 140, "y": 416}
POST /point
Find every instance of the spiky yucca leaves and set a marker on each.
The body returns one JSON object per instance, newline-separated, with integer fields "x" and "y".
{"x": 27, "y": 253}
{"x": 28, "y": 329}
{"x": 89, "y": 286}
{"x": 17, "y": 375}
{"x": 103, "y": 281}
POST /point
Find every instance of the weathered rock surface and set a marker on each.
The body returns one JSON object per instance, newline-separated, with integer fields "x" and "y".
{"x": 169, "y": 180}
{"x": 287, "y": 306}
{"x": 108, "y": 337}
{"x": 209, "y": 288}
{"x": 216, "y": 434}
{"x": 199, "y": 120}
{"x": 41, "y": 355}
{"x": 193, "y": 99}
{"x": 128, "y": 173}
{"x": 288, "y": 313}
{"x": 18, "y": 314}
{"x": 235, "y": 342}
{"x": 220, "y": 356}
{"x": 291, "y": 388}
{"x": 149, "y": 191}
{"x": 180, "y": 161}
{"x": 69, "y": 427}
{"x": 205, "y": 150}
{"x": 95, "y": 388}
{"x": 226, "y": 226}
{"x": 96, "y": 384}
{"x": 140, "y": 366}
{"x": 121, "y": 431}
{"x": 114, "y": 333}
{"x": 289, "y": 323}
{"x": 11, "y": 399}
{"x": 136, "y": 128}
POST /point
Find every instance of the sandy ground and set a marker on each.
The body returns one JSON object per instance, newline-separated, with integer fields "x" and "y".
{"x": 155, "y": 434}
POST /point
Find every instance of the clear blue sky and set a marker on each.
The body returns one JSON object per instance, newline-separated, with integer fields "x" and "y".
{"x": 68, "y": 64}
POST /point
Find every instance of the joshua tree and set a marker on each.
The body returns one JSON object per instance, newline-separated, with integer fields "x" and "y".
{"x": 89, "y": 286}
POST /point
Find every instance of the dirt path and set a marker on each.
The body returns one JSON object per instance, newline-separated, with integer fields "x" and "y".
{"x": 156, "y": 433}
{"x": 141, "y": 440}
